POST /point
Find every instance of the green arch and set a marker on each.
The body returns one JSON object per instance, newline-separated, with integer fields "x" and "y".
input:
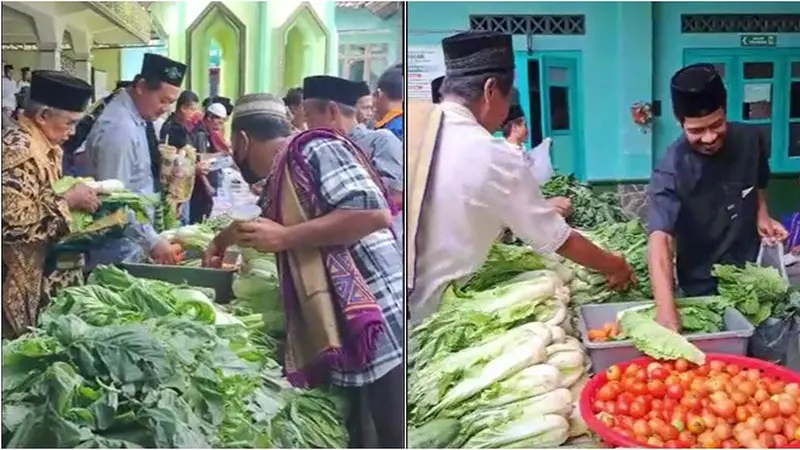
{"x": 303, "y": 42}
{"x": 217, "y": 23}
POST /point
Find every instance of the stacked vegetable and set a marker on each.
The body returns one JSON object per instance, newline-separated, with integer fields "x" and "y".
{"x": 125, "y": 362}
{"x": 494, "y": 367}
{"x": 590, "y": 209}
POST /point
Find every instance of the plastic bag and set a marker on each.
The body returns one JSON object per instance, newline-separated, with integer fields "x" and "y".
{"x": 777, "y": 340}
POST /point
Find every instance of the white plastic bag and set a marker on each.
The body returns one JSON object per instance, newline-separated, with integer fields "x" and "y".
{"x": 539, "y": 161}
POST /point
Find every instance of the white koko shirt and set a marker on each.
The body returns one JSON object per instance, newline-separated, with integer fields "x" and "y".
{"x": 478, "y": 185}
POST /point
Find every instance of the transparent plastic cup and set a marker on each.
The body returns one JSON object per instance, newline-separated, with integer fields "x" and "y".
{"x": 245, "y": 213}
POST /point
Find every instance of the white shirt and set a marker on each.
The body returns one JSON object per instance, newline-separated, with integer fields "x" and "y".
{"x": 479, "y": 184}
{"x": 10, "y": 89}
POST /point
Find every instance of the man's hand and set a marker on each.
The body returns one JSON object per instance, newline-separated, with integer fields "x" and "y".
{"x": 161, "y": 253}
{"x": 263, "y": 235}
{"x": 621, "y": 275}
{"x": 563, "y": 205}
{"x": 202, "y": 168}
{"x": 82, "y": 198}
{"x": 771, "y": 231}
{"x": 668, "y": 317}
{"x": 214, "y": 255}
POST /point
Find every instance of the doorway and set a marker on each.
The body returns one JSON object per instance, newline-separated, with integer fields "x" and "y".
{"x": 548, "y": 94}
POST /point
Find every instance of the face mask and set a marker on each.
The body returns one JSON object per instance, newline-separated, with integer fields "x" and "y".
{"x": 249, "y": 176}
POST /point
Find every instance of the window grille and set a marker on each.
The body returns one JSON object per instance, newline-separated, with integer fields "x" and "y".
{"x": 740, "y": 23}
{"x": 564, "y": 25}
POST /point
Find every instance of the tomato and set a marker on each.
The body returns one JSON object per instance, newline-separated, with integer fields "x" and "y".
{"x": 747, "y": 387}
{"x": 793, "y": 389}
{"x": 598, "y": 406}
{"x": 638, "y": 388}
{"x": 716, "y": 366}
{"x": 741, "y": 414}
{"x": 702, "y": 371}
{"x": 709, "y": 419}
{"x": 708, "y": 440}
{"x": 789, "y": 428}
{"x": 686, "y": 438}
{"x": 739, "y": 397}
{"x": 761, "y": 396}
{"x": 780, "y": 440}
{"x": 631, "y": 370}
{"x": 641, "y": 428}
{"x": 753, "y": 374}
{"x": 657, "y": 388}
{"x": 614, "y": 373}
{"x": 673, "y": 443}
{"x": 787, "y": 406}
{"x": 654, "y": 442}
{"x": 675, "y": 391}
{"x": 755, "y": 423}
{"x": 638, "y": 409}
{"x": 681, "y": 365}
{"x": 769, "y": 408}
{"x": 730, "y": 443}
{"x": 714, "y": 385}
{"x": 623, "y": 407}
{"x": 776, "y": 387}
{"x": 672, "y": 379}
{"x": 670, "y": 403}
{"x": 611, "y": 407}
{"x": 774, "y": 425}
{"x": 696, "y": 425}
{"x": 678, "y": 424}
{"x": 725, "y": 408}
{"x": 691, "y": 403}
{"x": 606, "y": 419}
{"x": 686, "y": 379}
{"x": 766, "y": 440}
{"x": 606, "y": 393}
{"x": 627, "y": 384}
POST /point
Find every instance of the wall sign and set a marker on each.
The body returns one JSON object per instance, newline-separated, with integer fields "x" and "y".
{"x": 759, "y": 40}
{"x": 425, "y": 62}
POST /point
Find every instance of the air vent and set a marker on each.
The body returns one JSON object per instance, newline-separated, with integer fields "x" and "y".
{"x": 562, "y": 25}
{"x": 740, "y": 23}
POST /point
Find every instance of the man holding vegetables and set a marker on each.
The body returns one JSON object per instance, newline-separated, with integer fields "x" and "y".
{"x": 472, "y": 184}
{"x": 707, "y": 197}
{"x": 34, "y": 217}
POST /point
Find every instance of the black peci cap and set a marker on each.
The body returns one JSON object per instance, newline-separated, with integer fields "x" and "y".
{"x": 697, "y": 91}
{"x": 325, "y": 87}
{"x": 60, "y": 90}
{"x": 477, "y": 52}
{"x": 158, "y": 67}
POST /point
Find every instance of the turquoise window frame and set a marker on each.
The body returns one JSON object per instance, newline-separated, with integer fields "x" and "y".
{"x": 733, "y": 58}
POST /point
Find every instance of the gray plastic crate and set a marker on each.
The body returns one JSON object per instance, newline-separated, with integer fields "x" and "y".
{"x": 732, "y": 341}
{"x": 219, "y": 280}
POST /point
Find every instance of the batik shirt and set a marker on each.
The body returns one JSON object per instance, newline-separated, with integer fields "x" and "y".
{"x": 33, "y": 218}
{"x": 344, "y": 184}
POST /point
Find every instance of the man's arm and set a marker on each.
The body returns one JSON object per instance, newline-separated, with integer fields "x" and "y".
{"x": 518, "y": 201}
{"x": 357, "y": 206}
{"x": 662, "y": 215}
{"x": 113, "y": 153}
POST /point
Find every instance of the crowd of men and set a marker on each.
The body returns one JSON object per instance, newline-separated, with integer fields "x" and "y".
{"x": 327, "y": 160}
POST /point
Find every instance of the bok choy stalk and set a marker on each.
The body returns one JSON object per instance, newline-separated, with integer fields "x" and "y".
{"x": 465, "y": 372}
{"x": 481, "y": 315}
{"x": 522, "y": 429}
{"x": 558, "y": 402}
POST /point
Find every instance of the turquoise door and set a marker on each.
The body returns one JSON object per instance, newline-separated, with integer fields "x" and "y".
{"x": 559, "y": 111}
{"x": 764, "y": 91}
{"x": 560, "y": 114}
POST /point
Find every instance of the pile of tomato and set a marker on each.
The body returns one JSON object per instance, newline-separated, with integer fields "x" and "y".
{"x": 682, "y": 405}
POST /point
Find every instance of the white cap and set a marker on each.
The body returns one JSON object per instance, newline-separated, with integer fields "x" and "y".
{"x": 218, "y": 110}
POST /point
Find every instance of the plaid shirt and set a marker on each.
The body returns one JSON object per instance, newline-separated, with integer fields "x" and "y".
{"x": 344, "y": 184}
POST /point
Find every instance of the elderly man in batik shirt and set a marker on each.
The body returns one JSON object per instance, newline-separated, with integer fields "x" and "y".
{"x": 34, "y": 217}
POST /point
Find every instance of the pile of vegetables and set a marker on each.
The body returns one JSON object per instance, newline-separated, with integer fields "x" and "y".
{"x": 712, "y": 405}
{"x": 496, "y": 366}
{"x": 590, "y": 209}
{"x": 124, "y": 362}
{"x": 753, "y": 290}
